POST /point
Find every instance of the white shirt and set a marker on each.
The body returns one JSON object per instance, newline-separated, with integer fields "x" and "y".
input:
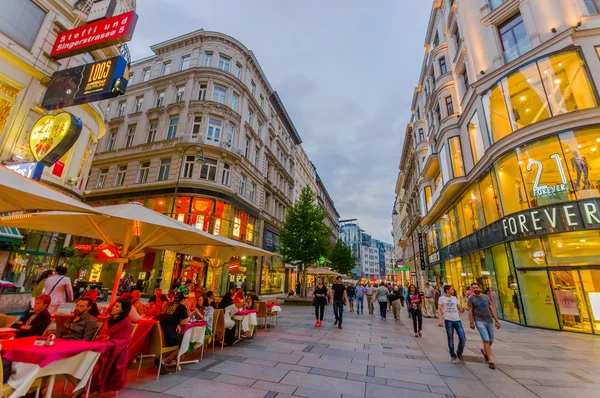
{"x": 62, "y": 290}
{"x": 449, "y": 308}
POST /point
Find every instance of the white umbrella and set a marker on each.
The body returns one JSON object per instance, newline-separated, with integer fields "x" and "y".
{"x": 321, "y": 271}
{"x": 18, "y": 193}
{"x": 130, "y": 225}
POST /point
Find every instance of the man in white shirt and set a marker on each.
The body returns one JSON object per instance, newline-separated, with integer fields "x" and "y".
{"x": 449, "y": 307}
{"x": 59, "y": 288}
{"x": 429, "y": 301}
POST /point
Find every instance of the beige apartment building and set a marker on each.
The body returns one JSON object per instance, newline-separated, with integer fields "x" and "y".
{"x": 500, "y": 168}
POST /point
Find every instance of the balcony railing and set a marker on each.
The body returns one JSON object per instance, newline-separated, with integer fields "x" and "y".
{"x": 517, "y": 50}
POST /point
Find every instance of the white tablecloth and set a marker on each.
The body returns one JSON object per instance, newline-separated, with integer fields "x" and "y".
{"x": 193, "y": 335}
{"x": 276, "y": 308}
{"x": 246, "y": 320}
{"x": 80, "y": 366}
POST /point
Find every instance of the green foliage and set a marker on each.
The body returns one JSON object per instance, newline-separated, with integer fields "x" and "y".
{"x": 68, "y": 252}
{"x": 304, "y": 235}
{"x": 341, "y": 258}
{"x": 80, "y": 263}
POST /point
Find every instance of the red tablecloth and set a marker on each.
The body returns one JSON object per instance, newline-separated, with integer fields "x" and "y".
{"x": 187, "y": 327}
{"x": 140, "y": 336}
{"x": 23, "y": 350}
{"x": 270, "y": 305}
{"x": 245, "y": 312}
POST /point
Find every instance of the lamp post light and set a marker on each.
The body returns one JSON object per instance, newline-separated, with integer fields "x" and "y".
{"x": 201, "y": 160}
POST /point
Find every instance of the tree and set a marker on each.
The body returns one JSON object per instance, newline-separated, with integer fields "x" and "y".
{"x": 80, "y": 263}
{"x": 304, "y": 235}
{"x": 341, "y": 258}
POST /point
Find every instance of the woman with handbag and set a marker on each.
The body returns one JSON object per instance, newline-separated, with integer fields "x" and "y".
{"x": 319, "y": 301}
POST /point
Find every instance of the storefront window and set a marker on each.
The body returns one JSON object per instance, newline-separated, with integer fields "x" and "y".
{"x": 544, "y": 172}
{"x": 510, "y": 184}
{"x": 182, "y": 209}
{"x": 437, "y": 182}
{"x": 272, "y": 276}
{"x": 488, "y": 282}
{"x": 8, "y": 95}
{"x": 570, "y": 299}
{"x": 590, "y": 279}
{"x": 508, "y": 289}
{"x": 525, "y": 97}
{"x": 496, "y": 114}
{"x": 528, "y": 253}
{"x": 472, "y": 209}
{"x": 428, "y": 197}
{"x": 223, "y": 225}
{"x": 572, "y": 248}
{"x": 457, "y": 277}
{"x": 538, "y": 302}
{"x": 582, "y": 152}
{"x": 456, "y": 157}
{"x": 487, "y": 188}
{"x": 475, "y": 138}
{"x": 201, "y": 213}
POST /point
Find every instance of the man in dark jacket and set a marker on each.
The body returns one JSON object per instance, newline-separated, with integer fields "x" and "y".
{"x": 35, "y": 322}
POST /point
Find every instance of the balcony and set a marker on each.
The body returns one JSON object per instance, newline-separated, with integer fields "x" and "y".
{"x": 431, "y": 166}
{"x": 514, "y": 52}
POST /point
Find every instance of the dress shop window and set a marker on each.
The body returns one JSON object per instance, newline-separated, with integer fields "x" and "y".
{"x": 242, "y": 189}
{"x": 180, "y": 94}
{"x": 219, "y": 95}
{"x": 139, "y": 104}
{"x": 120, "y": 177}
{"x": 166, "y": 68}
{"x": 102, "y": 178}
{"x": 160, "y": 99}
{"x": 224, "y": 63}
{"x": 188, "y": 166}
{"x": 172, "y": 131}
{"x": 185, "y": 62}
{"x": 143, "y": 172}
{"x": 130, "y": 136}
{"x": 202, "y": 92}
{"x": 112, "y": 140}
{"x": 252, "y": 192}
{"x": 197, "y": 124}
{"x": 208, "y": 171}
{"x": 235, "y": 101}
{"x": 121, "y": 110}
{"x": 213, "y": 133}
{"x": 443, "y": 67}
{"x": 146, "y": 75}
{"x": 164, "y": 169}
{"x": 230, "y": 132}
{"x": 226, "y": 174}
{"x": 449, "y": 105}
{"x": 152, "y": 131}
{"x": 208, "y": 59}
{"x": 21, "y": 21}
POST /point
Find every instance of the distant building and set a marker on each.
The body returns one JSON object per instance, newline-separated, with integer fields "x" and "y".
{"x": 374, "y": 257}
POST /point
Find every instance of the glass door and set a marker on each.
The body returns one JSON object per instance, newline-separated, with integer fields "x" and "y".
{"x": 571, "y": 301}
{"x": 590, "y": 280}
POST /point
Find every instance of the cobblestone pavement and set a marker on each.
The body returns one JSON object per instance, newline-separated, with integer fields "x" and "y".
{"x": 375, "y": 358}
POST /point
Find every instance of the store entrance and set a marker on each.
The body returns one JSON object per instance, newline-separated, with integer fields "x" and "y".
{"x": 577, "y": 296}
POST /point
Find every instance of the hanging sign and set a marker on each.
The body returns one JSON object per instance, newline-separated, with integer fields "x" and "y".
{"x": 87, "y": 83}
{"x": 104, "y": 33}
{"x": 28, "y": 170}
{"x": 52, "y": 136}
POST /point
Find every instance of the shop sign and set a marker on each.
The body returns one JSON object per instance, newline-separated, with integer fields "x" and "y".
{"x": 87, "y": 83}
{"x": 101, "y": 9}
{"x": 421, "y": 250}
{"x": 52, "y": 136}
{"x": 413, "y": 274}
{"x": 108, "y": 252}
{"x": 83, "y": 247}
{"x": 27, "y": 170}
{"x": 101, "y": 34}
{"x": 403, "y": 268}
{"x": 567, "y": 303}
{"x": 434, "y": 257}
{"x": 545, "y": 190}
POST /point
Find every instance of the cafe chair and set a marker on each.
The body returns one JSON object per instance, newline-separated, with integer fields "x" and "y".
{"x": 6, "y": 389}
{"x": 51, "y": 329}
{"x": 219, "y": 329}
{"x": 100, "y": 324}
{"x": 261, "y": 313}
{"x": 272, "y": 314}
{"x": 7, "y": 320}
{"x": 210, "y": 338}
{"x": 158, "y": 349}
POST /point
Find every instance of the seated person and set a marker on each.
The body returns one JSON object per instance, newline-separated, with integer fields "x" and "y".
{"x": 185, "y": 288}
{"x": 204, "y": 311}
{"x": 82, "y": 326}
{"x": 229, "y": 313}
{"x": 156, "y": 308}
{"x": 94, "y": 311}
{"x": 133, "y": 314}
{"x": 136, "y": 303}
{"x": 35, "y": 322}
{"x": 210, "y": 295}
{"x": 157, "y": 294}
{"x": 254, "y": 297}
{"x": 173, "y": 316}
{"x": 227, "y": 299}
{"x": 248, "y": 303}
{"x": 239, "y": 297}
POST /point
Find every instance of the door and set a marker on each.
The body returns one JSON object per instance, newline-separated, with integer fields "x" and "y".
{"x": 571, "y": 301}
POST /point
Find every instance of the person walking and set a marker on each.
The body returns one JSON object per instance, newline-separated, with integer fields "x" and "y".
{"x": 429, "y": 301}
{"x": 369, "y": 291}
{"x": 406, "y": 299}
{"x": 360, "y": 292}
{"x": 415, "y": 300}
{"x": 448, "y": 316}
{"x": 340, "y": 298}
{"x": 395, "y": 302}
{"x": 482, "y": 315}
{"x": 320, "y": 300}
{"x": 59, "y": 288}
{"x": 382, "y": 298}
{"x": 351, "y": 292}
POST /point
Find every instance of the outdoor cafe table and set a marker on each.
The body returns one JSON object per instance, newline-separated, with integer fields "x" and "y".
{"x": 245, "y": 319}
{"x": 273, "y": 307}
{"x": 30, "y": 362}
{"x": 193, "y": 335}
{"x": 140, "y": 338}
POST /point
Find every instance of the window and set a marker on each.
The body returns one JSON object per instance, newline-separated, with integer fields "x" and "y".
{"x": 160, "y": 99}
{"x": 130, "y": 136}
{"x": 21, "y": 20}
{"x": 428, "y": 197}
{"x": 120, "y": 177}
{"x": 256, "y": 156}
{"x": 475, "y": 139}
{"x": 444, "y": 164}
{"x": 593, "y": 6}
{"x": 146, "y": 75}
{"x": 196, "y": 126}
{"x": 209, "y": 170}
{"x": 172, "y": 131}
{"x": 238, "y": 70}
{"x": 166, "y": 68}
{"x": 465, "y": 79}
{"x": 449, "y": 106}
{"x": 219, "y": 95}
{"x": 164, "y": 169}
{"x": 152, "y": 131}
{"x": 495, "y": 4}
{"x": 180, "y": 94}
{"x": 252, "y": 191}
{"x": 250, "y": 117}
{"x": 514, "y": 38}
{"x": 242, "y": 190}
{"x": 457, "y": 38}
{"x": 443, "y": 68}
{"x": 121, "y": 111}
{"x": 208, "y": 59}
{"x": 421, "y": 135}
{"x": 131, "y": 78}
{"x": 102, "y": 178}
{"x": 188, "y": 166}
{"x": 259, "y": 127}
{"x": 143, "y": 172}
{"x": 247, "y": 147}
{"x": 214, "y": 130}
{"x": 230, "y": 131}
{"x": 252, "y": 87}
{"x": 112, "y": 140}
{"x": 226, "y": 174}
{"x": 224, "y": 63}
{"x": 185, "y": 62}
{"x": 139, "y": 104}
{"x": 262, "y": 101}
{"x": 235, "y": 100}
{"x": 202, "y": 92}
{"x": 436, "y": 40}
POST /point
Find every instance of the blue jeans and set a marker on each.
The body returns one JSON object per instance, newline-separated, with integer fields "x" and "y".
{"x": 383, "y": 308}
{"x": 359, "y": 304}
{"x": 338, "y": 310}
{"x": 450, "y": 326}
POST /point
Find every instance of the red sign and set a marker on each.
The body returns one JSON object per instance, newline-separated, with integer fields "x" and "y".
{"x": 107, "y": 252}
{"x": 83, "y": 247}
{"x": 104, "y": 33}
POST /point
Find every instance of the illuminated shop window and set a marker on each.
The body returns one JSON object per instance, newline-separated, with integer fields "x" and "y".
{"x": 489, "y": 196}
{"x": 496, "y": 114}
{"x": 582, "y": 159}
{"x": 472, "y": 209}
{"x": 456, "y": 157}
{"x": 475, "y": 138}
{"x": 512, "y": 193}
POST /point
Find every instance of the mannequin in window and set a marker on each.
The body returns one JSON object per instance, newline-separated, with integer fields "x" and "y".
{"x": 580, "y": 165}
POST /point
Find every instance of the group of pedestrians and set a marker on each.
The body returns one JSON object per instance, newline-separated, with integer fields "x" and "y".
{"x": 482, "y": 314}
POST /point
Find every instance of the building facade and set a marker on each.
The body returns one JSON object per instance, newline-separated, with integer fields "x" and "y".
{"x": 326, "y": 203}
{"x": 202, "y": 136}
{"x": 374, "y": 258}
{"x": 28, "y": 31}
{"x": 505, "y": 135}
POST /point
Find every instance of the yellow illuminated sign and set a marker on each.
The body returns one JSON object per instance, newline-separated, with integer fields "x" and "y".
{"x": 52, "y": 136}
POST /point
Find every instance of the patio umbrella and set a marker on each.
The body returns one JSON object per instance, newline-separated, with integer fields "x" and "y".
{"x": 131, "y": 225}
{"x": 321, "y": 271}
{"x": 18, "y": 193}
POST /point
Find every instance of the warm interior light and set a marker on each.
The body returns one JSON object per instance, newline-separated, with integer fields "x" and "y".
{"x": 579, "y": 146}
{"x": 527, "y": 110}
{"x": 582, "y": 240}
{"x": 528, "y": 80}
{"x": 557, "y": 81}
{"x": 520, "y": 162}
{"x": 560, "y": 245}
{"x": 523, "y": 98}
{"x": 546, "y": 72}
{"x": 473, "y": 197}
{"x": 597, "y": 139}
{"x": 559, "y": 64}
{"x": 593, "y": 149}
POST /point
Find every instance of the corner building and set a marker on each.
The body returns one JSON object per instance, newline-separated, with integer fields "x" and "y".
{"x": 205, "y": 95}
{"x": 506, "y": 139}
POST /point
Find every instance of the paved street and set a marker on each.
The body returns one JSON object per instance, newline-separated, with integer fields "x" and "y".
{"x": 373, "y": 358}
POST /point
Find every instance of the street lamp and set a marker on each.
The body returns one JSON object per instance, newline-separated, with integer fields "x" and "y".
{"x": 201, "y": 160}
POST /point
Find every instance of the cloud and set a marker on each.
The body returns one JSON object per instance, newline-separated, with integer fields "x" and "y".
{"x": 345, "y": 70}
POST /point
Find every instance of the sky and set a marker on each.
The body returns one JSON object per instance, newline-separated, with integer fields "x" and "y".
{"x": 345, "y": 70}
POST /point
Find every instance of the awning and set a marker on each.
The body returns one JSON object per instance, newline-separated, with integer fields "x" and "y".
{"x": 10, "y": 235}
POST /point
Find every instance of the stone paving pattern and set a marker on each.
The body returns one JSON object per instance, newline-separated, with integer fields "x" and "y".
{"x": 375, "y": 358}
